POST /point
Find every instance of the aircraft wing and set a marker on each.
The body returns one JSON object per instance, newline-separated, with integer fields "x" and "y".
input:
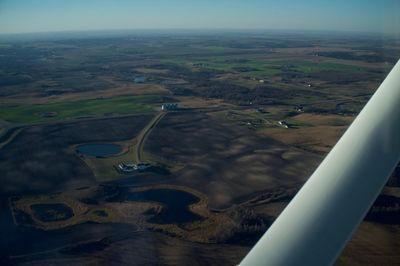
{"x": 318, "y": 222}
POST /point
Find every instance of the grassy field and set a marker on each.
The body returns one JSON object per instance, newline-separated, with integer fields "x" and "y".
{"x": 249, "y": 68}
{"x": 310, "y": 67}
{"x": 73, "y": 109}
{"x": 258, "y": 68}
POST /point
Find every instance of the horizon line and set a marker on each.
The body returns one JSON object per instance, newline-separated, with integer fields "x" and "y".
{"x": 198, "y": 29}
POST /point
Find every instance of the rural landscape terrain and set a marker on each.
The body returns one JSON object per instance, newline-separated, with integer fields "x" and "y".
{"x": 176, "y": 148}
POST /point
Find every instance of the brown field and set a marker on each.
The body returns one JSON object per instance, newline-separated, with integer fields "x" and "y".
{"x": 226, "y": 162}
{"x": 323, "y": 120}
{"x": 372, "y": 244}
{"x": 315, "y": 133}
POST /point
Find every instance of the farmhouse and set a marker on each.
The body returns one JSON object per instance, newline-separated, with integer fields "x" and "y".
{"x": 283, "y": 124}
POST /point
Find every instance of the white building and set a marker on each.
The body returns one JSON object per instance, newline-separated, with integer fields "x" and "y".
{"x": 169, "y": 106}
{"x": 283, "y": 124}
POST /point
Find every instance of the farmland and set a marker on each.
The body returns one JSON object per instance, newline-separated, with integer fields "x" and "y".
{"x": 255, "y": 114}
{"x": 78, "y": 109}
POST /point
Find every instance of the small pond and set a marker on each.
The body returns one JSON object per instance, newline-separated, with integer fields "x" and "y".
{"x": 175, "y": 204}
{"x": 52, "y": 212}
{"x": 139, "y": 79}
{"x": 99, "y": 149}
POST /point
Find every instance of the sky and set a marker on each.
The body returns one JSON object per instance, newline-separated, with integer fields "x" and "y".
{"x": 18, "y": 16}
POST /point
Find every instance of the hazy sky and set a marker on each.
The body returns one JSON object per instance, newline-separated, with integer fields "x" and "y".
{"x": 62, "y": 15}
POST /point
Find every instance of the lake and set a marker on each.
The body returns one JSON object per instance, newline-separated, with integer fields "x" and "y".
{"x": 52, "y": 212}
{"x": 99, "y": 149}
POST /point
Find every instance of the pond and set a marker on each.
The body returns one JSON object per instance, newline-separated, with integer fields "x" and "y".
{"x": 139, "y": 79}
{"x": 175, "y": 204}
{"x": 52, "y": 212}
{"x": 99, "y": 149}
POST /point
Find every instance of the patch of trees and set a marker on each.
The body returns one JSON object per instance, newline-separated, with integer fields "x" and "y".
{"x": 245, "y": 69}
{"x": 245, "y": 228}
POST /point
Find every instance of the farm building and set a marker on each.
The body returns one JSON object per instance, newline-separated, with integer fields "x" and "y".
{"x": 169, "y": 106}
{"x": 299, "y": 109}
{"x": 283, "y": 124}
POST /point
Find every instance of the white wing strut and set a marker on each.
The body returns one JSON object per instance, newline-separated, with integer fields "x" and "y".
{"x": 318, "y": 222}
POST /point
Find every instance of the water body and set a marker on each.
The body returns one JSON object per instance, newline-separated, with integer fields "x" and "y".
{"x": 139, "y": 79}
{"x": 99, "y": 149}
{"x": 52, "y": 212}
{"x": 18, "y": 240}
{"x": 175, "y": 204}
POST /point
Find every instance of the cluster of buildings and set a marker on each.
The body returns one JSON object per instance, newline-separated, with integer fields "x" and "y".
{"x": 132, "y": 167}
{"x": 169, "y": 106}
{"x": 299, "y": 109}
{"x": 283, "y": 124}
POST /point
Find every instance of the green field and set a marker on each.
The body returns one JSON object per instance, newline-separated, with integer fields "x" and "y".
{"x": 248, "y": 68}
{"x": 74, "y": 109}
{"x": 255, "y": 68}
{"x": 310, "y": 67}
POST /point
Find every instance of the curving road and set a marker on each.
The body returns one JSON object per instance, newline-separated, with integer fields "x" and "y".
{"x": 143, "y": 135}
